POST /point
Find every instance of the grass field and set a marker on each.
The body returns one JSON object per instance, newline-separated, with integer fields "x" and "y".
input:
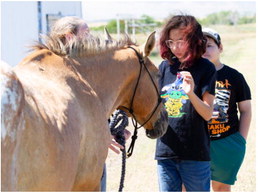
{"x": 239, "y": 52}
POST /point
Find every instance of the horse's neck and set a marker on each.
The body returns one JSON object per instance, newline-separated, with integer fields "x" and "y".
{"x": 111, "y": 76}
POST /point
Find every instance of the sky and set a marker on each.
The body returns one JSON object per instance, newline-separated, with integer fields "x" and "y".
{"x": 100, "y": 10}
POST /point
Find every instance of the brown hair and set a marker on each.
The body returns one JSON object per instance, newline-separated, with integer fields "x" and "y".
{"x": 195, "y": 45}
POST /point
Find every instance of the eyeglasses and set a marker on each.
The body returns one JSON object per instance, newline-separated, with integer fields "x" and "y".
{"x": 170, "y": 43}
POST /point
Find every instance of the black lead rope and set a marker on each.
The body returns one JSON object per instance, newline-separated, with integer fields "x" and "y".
{"x": 131, "y": 147}
{"x": 117, "y": 126}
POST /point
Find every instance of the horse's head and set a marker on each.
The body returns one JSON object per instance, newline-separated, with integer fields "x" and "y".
{"x": 145, "y": 105}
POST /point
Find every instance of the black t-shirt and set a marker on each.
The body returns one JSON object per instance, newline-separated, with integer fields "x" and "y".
{"x": 231, "y": 88}
{"x": 187, "y": 136}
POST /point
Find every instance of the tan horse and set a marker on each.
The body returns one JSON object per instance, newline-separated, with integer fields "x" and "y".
{"x": 55, "y": 106}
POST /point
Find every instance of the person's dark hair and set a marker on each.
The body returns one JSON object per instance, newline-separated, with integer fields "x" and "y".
{"x": 208, "y": 37}
{"x": 195, "y": 45}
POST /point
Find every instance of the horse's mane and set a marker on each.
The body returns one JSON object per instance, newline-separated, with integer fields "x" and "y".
{"x": 78, "y": 46}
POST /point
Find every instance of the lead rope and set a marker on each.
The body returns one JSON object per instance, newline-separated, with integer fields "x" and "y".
{"x": 117, "y": 126}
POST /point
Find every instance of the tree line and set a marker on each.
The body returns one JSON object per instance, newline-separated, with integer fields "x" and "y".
{"x": 147, "y": 23}
{"x": 227, "y": 18}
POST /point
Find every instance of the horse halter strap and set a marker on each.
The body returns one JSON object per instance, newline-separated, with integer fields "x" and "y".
{"x": 130, "y": 109}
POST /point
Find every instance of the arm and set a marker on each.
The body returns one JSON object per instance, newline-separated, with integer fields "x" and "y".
{"x": 205, "y": 106}
{"x": 245, "y": 117}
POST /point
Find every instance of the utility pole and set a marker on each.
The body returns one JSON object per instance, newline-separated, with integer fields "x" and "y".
{"x": 133, "y": 29}
{"x": 126, "y": 26}
{"x": 39, "y": 20}
{"x": 118, "y": 26}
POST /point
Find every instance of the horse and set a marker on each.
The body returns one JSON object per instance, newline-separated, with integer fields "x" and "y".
{"x": 55, "y": 106}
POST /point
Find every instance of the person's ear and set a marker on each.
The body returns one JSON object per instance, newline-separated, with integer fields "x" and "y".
{"x": 220, "y": 48}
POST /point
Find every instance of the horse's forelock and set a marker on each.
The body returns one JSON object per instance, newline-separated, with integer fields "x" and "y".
{"x": 78, "y": 47}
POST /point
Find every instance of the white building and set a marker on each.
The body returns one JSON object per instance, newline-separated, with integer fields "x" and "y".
{"x": 23, "y": 21}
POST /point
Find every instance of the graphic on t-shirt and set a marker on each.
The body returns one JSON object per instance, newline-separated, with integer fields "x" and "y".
{"x": 220, "y": 112}
{"x": 175, "y": 97}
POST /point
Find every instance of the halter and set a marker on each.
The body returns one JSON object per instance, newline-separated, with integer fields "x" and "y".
{"x": 130, "y": 109}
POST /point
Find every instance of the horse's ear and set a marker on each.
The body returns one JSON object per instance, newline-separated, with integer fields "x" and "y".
{"x": 148, "y": 46}
{"x": 128, "y": 39}
{"x": 108, "y": 37}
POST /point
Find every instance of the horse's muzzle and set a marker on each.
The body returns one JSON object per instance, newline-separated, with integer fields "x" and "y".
{"x": 160, "y": 126}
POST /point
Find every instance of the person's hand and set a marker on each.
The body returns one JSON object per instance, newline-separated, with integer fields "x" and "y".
{"x": 116, "y": 147}
{"x": 127, "y": 134}
{"x": 188, "y": 82}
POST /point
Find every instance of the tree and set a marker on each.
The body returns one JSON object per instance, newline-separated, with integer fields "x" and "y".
{"x": 247, "y": 19}
{"x": 222, "y": 17}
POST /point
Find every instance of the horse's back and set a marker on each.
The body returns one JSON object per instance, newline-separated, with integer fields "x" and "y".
{"x": 52, "y": 146}
{"x": 12, "y": 100}
{"x": 25, "y": 142}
